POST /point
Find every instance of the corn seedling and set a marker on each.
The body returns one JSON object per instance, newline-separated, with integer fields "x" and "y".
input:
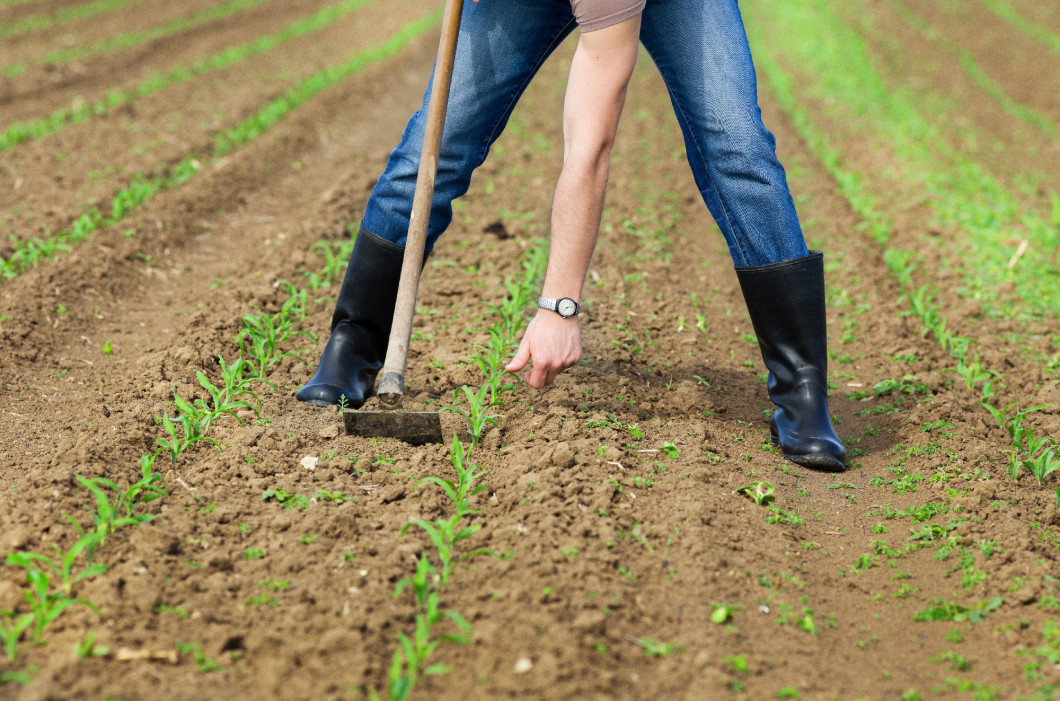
{"x": 47, "y": 605}
{"x": 336, "y": 254}
{"x": 476, "y": 415}
{"x": 189, "y": 426}
{"x": 262, "y": 335}
{"x": 236, "y": 384}
{"x": 11, "y": 627}
{"x": 63, "y": 567}
{"x": 972, "y": 373}
{"x": 109, "y": 517}
{"x": 408, "y": 665}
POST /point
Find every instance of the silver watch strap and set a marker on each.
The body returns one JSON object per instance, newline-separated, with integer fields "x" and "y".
{"x": 547, "y": 304}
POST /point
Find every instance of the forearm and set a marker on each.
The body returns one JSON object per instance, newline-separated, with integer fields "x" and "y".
{"x": 576, "y": 211}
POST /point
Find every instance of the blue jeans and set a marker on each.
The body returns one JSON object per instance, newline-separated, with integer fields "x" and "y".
{"x": 701, "y": 50}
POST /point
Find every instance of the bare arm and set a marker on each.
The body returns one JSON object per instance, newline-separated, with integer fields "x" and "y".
{"x": 600, "y": 71}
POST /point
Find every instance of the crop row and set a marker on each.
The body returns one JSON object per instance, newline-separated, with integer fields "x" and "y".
{"x": 975, "y": 71}
{"x": 130, "y": 39}
{"x": 961, "y": 194}
{"x": 409, "y": 663}
{"x": 69, "y": 14}
{"x": 20, "y": 132}
{"x": 142, "y": 188}
{"x": 1005, "y": 11}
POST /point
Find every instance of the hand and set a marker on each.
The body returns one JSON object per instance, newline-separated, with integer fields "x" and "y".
{"x": 551, "y": 344}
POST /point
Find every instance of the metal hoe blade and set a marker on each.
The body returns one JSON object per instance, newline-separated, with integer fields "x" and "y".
{"x": 413, "y": 427}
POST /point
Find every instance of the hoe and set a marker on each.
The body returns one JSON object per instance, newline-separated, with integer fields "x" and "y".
{"x": 415, "y": 427}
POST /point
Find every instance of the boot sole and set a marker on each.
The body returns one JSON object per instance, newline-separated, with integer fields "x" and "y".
{"x": 823, "y": 463}
{"x": 317, "y": 402}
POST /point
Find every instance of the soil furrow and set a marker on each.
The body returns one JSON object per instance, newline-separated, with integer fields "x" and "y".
{"x": 1006, "y": 56}
{"x": 159, "y": 130}
{"x": 120, "y": 33}
{"x": 42, "y": 90}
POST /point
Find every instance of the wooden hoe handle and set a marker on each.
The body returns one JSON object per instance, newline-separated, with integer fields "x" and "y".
{"x": 392, "y": 384}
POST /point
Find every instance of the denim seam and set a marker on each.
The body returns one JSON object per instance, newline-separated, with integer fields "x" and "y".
{"x": 724, "y": 207}
{"x": 706, "y": 167}
{"x": 556, "y": 40}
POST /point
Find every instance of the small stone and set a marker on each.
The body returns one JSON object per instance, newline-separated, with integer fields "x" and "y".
{"x": 309, "y": 462}
{"x": 331, "y": 431}
{"x": 523, "y": 665}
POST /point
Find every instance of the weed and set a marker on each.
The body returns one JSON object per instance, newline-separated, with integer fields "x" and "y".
{"x": 288, "y": 500}
{"x": 761, "y": 492}
{"x": 204, "y": 663}
{"x": 778, "y": 515}
{"x": 657, "y": 648}
{"x": 942, "y": 610}
{"x": 722, "y": 613}
{"x": 88, "y": 648}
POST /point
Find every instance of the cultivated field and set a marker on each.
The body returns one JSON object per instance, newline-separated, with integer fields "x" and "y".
{"x": 179, "y": 188}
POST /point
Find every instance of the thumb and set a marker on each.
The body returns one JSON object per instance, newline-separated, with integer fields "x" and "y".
{"x": 522, "y": 357}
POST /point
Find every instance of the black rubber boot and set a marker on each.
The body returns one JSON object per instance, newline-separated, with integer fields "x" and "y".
{"x": 360, "y": 327}
{"x": 786, "y": 303}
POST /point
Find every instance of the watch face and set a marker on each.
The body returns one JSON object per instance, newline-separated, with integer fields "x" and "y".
{"x": 567, "y": 307}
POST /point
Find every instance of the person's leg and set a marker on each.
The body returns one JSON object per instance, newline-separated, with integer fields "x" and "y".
{"x": 701, "y": 50}
{"x": 502, "y": 43}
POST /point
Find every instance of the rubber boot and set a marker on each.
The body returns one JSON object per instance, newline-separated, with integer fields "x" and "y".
{"x": 786, "y": 304}
{"x": 360, "y": 327}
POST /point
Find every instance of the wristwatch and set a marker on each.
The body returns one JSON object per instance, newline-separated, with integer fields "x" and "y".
{"x": 565, "y": 307}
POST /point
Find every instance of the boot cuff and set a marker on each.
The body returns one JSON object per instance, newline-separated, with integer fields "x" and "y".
{"x": 811, "y": 259}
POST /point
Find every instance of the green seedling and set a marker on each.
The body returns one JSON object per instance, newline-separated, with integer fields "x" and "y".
{"x": 972, "y": 373}
{"x": 942, "y": 610}
{"x": 761, "y": 492}
{"x": 188, "y": 427}
{"x": 109, "y": 517}
{"x": 47, "y": 605}
{"x": 204, "y": 663}
{"x": 722, "y": 613}
{"x": 262, "y": 335}
{"x": 88, "y": 648}
{"x": 476, "y": 415}
{"x": 288, "y": 500}
{"x": 11, "y": 627}
{"x": 335, "y": 254}
{"x": 61, "y": 568}
{"x": 658, "y": 648}
{"x": 446, "y": 533}
{"x": 409, "y": 663}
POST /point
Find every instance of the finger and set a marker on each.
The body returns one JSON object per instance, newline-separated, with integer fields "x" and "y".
{"x": 536, "y": 376}
{"x": 552, "y": 375}
{"x": 522, "y": 356}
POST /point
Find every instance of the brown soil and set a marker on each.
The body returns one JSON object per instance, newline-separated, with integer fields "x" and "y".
{"x": 597, "y": 557}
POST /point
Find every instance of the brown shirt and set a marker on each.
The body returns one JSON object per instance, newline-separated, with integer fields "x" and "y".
{"x": 597, "y": 14}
